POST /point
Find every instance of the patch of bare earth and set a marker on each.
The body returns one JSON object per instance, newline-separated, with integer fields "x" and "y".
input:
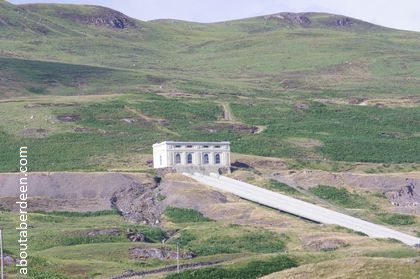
{"x": 69, "y": 191}
{"x": 250, "y": 161}
{"x": 323, "y": 243}
{"x": 68, "y": 117}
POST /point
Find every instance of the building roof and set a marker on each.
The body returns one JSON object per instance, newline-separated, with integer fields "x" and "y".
{"x": 193, "y": 142}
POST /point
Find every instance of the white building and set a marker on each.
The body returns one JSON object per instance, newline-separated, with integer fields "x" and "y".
{"x": 191, "y": 154}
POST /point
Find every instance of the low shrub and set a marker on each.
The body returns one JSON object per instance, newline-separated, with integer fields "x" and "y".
{"x": 339, "y": 196}
{"x": 397, "y": 219}
{"x": 184, "y": 215}
{"x": 281, "y": 187}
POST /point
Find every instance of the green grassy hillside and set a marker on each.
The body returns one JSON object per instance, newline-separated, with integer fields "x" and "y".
{"x": 348, "y": 85}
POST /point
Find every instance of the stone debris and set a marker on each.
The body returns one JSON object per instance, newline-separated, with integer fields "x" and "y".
{"x": 144, "y": 253}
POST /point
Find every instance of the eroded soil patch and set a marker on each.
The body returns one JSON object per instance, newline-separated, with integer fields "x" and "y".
{"x": 68, "y": 117}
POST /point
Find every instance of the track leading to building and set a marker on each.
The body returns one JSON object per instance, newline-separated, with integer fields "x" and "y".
{"x": 300, "y": 208}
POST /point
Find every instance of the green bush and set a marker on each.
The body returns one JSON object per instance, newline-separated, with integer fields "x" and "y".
{"x": 397, "y": 219}
{"x": 184, "y": 215}
{"x": 184, "y": 239}
{"x": 254, "y": 269}
{"x": 282, "y": 187}
{"x": 339, "y": 196}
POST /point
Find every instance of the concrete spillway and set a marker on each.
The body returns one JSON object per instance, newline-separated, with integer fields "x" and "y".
{"x": 300, "y": 208}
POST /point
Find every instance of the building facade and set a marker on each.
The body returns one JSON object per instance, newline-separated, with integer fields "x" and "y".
{"x": 191, "y": 154}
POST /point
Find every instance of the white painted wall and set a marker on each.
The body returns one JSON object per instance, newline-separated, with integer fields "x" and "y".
{"x": 164, "y": 153}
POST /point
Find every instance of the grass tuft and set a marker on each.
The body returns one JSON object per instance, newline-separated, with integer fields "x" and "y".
{"x": 184, "y": 215}
{"x": 339, "y": 196}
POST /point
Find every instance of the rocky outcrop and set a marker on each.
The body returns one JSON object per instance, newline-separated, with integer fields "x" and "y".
{"x": 137, "y": 236}
{"x": 408, "y": 197}
{"x": 345, "y": 21}
{"x": 91, "y": 15}
{"x": 300, "y": 19}
{"x": 137, "y": 203}
{"x": 109, "y": 18}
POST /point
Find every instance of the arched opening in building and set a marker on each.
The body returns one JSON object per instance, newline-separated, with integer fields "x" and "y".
{"x": 217, "y": 159}
{"x": 205, "y": 159}
{"x": 177, "y": 158}
{"x": 189, "y": 158}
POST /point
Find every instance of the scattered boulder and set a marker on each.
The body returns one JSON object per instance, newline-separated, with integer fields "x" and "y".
{"x": 302, "y": 106}
{"x": 344, "y": 21}
{"x": 144, "y": 253}
{"x": 129, "y": 120}
{"x": 137, "y": 236}
{"x": 9, "y": 260}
